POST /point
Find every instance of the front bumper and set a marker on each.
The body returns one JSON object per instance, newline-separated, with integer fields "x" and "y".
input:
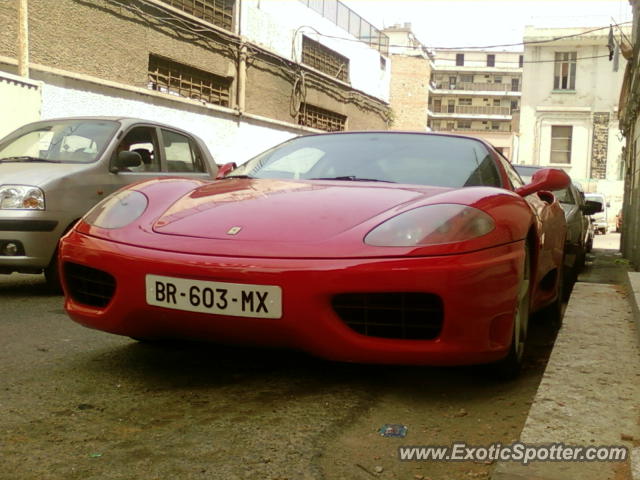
{"x": 36, "y": 232}
{"x": 478, "y": 291}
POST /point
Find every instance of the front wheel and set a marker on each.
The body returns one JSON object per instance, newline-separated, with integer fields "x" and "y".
{"x": 52, "y": 275}
{"x": 509, "y": 367}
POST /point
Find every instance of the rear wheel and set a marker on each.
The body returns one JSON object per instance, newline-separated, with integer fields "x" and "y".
{"x": 509, "y": 367}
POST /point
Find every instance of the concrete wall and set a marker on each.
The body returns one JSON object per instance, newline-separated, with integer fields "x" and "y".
{"x": 20, "y": 101}
{"x": 410, "y": 92}
{"x": 224, "y": 134}
{"x": 110, "y": 41}
{"x": 595, "y": 151}
{"x": 279, "y": 26}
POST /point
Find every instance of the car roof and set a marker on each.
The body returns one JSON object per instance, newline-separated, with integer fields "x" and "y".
{"x": 121, "y": 119}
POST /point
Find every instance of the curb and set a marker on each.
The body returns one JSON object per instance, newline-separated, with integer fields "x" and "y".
{"x": 590, "y": 391}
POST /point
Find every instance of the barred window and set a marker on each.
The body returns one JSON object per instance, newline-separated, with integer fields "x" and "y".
{"x": 181, "y": 80}
{"x": 324, "y": 59}
{"x": 316, "y": 117}
{"x": 218, "y": 12}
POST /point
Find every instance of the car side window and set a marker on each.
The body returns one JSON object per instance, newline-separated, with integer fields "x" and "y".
{"x": 141, "y": 140}
{"x": 181, "y": 153}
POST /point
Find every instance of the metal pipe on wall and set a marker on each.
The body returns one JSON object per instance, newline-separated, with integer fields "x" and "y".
{"x": 23, "y": 39}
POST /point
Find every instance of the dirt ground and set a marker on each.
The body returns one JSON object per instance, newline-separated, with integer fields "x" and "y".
{"x": 82, "y": 404}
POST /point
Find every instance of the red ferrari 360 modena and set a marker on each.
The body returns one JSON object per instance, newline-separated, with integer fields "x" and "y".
{"x": 381, "y": 247}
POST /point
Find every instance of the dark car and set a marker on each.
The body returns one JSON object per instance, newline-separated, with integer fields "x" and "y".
{"x": 579, "y": 226}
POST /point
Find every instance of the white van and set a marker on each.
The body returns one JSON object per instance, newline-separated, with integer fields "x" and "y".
{"x": 600, "y": 220}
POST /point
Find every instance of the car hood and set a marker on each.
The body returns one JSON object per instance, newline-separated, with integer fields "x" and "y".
{"x": 281, "y": 210}
{"x": 36, "y": 173}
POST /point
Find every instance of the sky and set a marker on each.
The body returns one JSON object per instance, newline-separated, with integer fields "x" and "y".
{"x": 478, "y": 23}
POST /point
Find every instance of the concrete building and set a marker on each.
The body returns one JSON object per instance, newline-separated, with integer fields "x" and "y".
{"x": 568, "y": 117}
{"x": 629, "y": 116}
{"x": 411, "y": 65}
{"x": 242, "y": 74}
{"x": 477, "y": 93}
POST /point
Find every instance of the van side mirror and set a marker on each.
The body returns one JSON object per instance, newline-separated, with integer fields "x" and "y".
{"x": 125, "y": 160}
{"x": 591, "y": 207}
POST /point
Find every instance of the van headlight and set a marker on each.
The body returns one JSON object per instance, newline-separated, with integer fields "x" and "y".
{"x": 118, "y": 210}
{"x": 21, "y": 197}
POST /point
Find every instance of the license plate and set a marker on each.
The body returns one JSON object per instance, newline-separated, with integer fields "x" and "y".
{"x": 220, "y": 298}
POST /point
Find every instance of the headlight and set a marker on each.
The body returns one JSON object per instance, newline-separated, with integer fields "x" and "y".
{"x": 21, "y": 197}
{"x": 117, "y": 210}
{"x": 431, "y": 225}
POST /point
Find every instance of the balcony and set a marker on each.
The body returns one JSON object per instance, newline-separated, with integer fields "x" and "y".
{"x": 479, "y": 110}
{"x": 477, "y": 87}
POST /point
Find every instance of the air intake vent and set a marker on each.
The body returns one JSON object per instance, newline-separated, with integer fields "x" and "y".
{"x": 403, "y": 315}
{"x": 88, "y": 285}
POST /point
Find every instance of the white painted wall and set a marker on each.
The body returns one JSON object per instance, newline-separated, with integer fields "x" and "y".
{"x": 597, "y": 89}
{"x": 226, "y": 137}
{"x": 19, "y": 102}
{"x": 279, "y": 25}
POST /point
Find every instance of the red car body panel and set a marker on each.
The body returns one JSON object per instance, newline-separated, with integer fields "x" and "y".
{"x": 475, "y": 331}
{"x": 307, "y": 238}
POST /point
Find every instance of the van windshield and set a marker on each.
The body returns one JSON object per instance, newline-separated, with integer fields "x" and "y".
{"x": 60, "y": 141}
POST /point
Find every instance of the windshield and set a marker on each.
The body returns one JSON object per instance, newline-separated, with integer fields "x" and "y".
{"x": 72, "y": 141}
{"x": 387, "y": 157}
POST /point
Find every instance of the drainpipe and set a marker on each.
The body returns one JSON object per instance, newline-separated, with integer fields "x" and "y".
{"x": 242, "y": 77}
{"x": 242, "y": 62}
{"x": 23, "y": 39}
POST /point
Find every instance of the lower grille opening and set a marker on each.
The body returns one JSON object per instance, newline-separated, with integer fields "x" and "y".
{"x": 88, "y": 285}
{"x": 404, "y": 315}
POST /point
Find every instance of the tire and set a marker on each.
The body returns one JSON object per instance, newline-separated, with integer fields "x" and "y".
{"x": 589, "y": 246}
{"x": 52, "y": 275}
{"x": 509, "y": 367}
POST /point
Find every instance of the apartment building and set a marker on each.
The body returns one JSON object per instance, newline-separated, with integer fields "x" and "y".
{"x": 477, "y": 93}
{"x": 569, "y": 108}
{"x": 242, "y": 74}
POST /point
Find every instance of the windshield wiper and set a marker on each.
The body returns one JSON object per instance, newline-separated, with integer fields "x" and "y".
{"x": 237, "y": 176}
{"x": 353, "y": 178}
{"x": 28, "y": 159}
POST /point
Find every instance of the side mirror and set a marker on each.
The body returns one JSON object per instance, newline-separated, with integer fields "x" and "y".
{"x": 125, "y": 160}
{"x": 224, "y": 169}
{"x": 590, "y": 207}
{"x": 545, "y": 179}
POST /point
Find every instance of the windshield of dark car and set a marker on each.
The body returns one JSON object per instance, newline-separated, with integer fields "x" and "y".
{"x": 390, "y": 157}
{"x": 70, "y": 141}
